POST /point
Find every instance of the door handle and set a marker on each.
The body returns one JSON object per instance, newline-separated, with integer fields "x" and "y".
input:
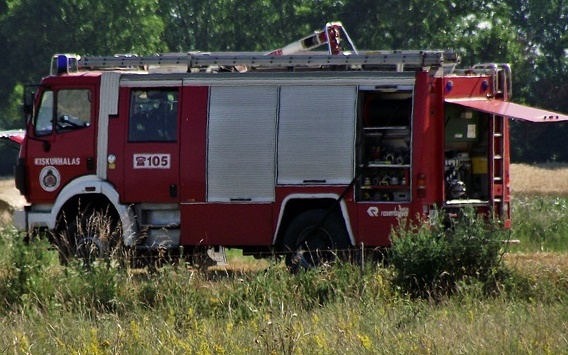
{"x": 90, "y": 163}
{"x": 173, "y": 191}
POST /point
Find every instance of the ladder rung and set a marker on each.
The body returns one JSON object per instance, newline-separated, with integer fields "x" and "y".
{"x": 497, "y": 157}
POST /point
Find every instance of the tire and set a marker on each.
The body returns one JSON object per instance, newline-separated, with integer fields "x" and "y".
{"x": 88, "y": 237}
{"x": 312, "y": 239}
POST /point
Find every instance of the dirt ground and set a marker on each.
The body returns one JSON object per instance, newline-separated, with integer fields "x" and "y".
{"x": 10, "y": 199}
{"x": 9, "y": 193}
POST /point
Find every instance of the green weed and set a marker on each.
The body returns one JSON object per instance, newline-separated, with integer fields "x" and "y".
{"x": 540, "y": 223}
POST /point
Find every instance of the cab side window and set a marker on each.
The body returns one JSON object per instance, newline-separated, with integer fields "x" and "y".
{"x": 153, "y": 115}
{"x": 66, "y": 110}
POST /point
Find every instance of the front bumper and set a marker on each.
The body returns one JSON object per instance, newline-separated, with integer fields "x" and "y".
{"x": 26, "y": 220}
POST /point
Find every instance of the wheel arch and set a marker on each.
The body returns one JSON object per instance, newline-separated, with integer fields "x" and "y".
{"x": 93, "y": 190}
{"x": 295, "y": 204}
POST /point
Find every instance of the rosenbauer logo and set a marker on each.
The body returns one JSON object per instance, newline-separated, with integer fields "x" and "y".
{"x": 151, "y": 161}
{"x": 399, "y": 211}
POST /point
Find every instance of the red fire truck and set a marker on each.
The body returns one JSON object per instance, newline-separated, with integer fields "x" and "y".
{"x": 275, "y": 154}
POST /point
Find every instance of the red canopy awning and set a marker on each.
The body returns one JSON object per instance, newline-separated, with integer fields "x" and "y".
{"x": 511, "y": 110}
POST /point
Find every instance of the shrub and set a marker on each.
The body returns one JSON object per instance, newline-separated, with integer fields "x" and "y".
{"x": 23, "y": 267}
{"x": 433, "y": 260}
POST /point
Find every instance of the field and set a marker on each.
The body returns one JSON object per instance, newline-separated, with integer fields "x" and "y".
{"x": 543, "y": 180}
{"x": 257, "y": 307}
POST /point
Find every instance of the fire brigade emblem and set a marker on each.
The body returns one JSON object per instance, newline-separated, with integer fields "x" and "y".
{"x": 49, "y": 178}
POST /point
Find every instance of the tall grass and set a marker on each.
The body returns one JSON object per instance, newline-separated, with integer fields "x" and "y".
{"x": 181, "y": 311}
{"x": 336, "y": 309}
{"x": 540, "y": 223}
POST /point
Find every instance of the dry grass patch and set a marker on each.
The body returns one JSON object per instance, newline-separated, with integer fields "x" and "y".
{"x": 5, "y": 213}
{"x": 239, "y": 265}
{"x": 539, "y": 263}
{"x": 550, "y": 179}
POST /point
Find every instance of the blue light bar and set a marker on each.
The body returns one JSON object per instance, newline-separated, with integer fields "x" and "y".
{"x": 64, "y": 64}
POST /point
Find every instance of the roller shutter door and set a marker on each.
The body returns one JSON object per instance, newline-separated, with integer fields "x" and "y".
{"x": 316, "y": 134}
{"x": 241, "y": 144}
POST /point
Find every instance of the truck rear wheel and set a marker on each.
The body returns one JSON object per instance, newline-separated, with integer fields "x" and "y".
{"x": 313, "y": 238}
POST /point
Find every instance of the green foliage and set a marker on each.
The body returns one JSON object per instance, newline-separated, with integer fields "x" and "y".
{"x": 13, "y": 114}
{"x": 22, "y": 268}
{"x": 226, "y": 25}
{"x": 94, "y": 289}
{"x": 32, "y": 31}
{"x": 30, "y": 275}
{"x": 433, "y": 260}
{"x": 540, "y": 223}
{"x": 542, "y": 77}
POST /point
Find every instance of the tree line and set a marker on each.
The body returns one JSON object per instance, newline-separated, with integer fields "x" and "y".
{"x": 531, "y": 35}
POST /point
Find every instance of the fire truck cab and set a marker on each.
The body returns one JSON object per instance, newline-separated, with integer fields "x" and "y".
{"x": 270, "y": 153}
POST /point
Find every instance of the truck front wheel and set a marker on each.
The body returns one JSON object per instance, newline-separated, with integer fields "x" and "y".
{"x": 88, "y": 237}
{"x": 313, "y": 238}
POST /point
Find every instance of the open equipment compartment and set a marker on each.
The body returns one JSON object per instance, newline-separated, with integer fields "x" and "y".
{"x": 466, "y": 149}
{"x": 385, "y": 148}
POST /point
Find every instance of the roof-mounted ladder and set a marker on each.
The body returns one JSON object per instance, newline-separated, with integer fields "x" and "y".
{"x": 193, "y": 61}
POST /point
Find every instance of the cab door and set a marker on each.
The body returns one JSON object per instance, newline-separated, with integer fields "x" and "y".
{"x": 151, "y": 145}
{"x": 61, "y": 140}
